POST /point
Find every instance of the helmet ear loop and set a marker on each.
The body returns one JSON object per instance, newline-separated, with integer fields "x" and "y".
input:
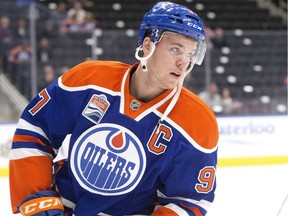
{"x": 143, "y": 60}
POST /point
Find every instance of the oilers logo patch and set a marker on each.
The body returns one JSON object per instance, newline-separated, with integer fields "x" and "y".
{"x": 96, "y": 108}
{"x": 108, "y": 159}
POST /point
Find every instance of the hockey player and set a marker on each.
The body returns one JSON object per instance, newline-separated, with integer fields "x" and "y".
{"x": 138, "y": 142}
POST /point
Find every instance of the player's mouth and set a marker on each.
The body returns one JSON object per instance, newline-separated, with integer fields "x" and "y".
{"x": 175, "y": 74}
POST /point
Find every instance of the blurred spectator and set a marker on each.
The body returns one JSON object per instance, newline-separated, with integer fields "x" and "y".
{"x": 6, "y": 37}
{"x": 77, "y": 11}
{"x": 70, "y": 24}
{"x": 90, "y": 23}
{"x": 48, "y": 76}
{"x": 212, "y": 97}
{"x": 62, "y": 36}
{"x": 227, "y": 101}
{"x": 48, "y": 30}
{"x": 44, "y": 53}
{"x": 230, "y": 105}
{"x": 60, "y": 13}
{"x": 21, "y": 31}
{"x": 21, "y": 53}
{"x": 20, "y": 64}
{"x": 218, "y": 40}
{"x": 209, "y": 32}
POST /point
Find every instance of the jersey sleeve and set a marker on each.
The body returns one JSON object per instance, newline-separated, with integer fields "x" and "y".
{"x": 188, "y": 184}
{"x": 42, "y": 127}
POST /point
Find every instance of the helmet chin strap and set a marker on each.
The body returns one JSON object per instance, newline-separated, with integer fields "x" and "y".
{"x": 143, "y": 60}
{"x": 175, "y": 97}
{"x": 189, "y": 69}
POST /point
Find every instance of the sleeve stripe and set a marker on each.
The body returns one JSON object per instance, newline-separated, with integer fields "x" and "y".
{"x": 22, "y": 124}
{"x": 27, "y": 138}
{"x": 195, "y": 210}
{"x": 16, "y": 154}
{"x": 202, "y": 203}
{"x": 177, "y": 209}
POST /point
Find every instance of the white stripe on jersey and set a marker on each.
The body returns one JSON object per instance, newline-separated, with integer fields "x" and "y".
{"x": 23, "y": 124}
{"x": 202, "y": 203}
{"x": 82, "y": 88}
{"x": 122, "y": 102}
{"x": 21, "y": 153}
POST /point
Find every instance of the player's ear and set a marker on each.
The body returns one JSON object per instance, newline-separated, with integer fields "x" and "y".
{"x": 147, "y": 46}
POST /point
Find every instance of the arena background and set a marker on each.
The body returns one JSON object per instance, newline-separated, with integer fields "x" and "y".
{"x": 251, "y": 62}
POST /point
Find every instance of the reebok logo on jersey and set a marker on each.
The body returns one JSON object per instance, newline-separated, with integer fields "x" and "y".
{"x": 96, "y": 108}
{"x": 108, "y": 159}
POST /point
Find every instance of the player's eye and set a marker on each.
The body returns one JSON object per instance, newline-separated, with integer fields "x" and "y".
{"x": 176, "y": 50}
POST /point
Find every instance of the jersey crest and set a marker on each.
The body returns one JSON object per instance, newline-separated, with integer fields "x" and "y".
{"x": 96, "y": 108}
{"x": 108, "y": 159}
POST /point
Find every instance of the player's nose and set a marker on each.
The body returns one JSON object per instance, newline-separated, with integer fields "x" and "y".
{"x": 182, "y": 63}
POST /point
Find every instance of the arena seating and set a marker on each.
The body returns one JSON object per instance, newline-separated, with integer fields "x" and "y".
{"x": 227, "y": 14}
{"x": 256, "y": 54}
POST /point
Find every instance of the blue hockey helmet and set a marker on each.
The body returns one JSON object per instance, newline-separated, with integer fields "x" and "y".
{"x": 167, "y": 16}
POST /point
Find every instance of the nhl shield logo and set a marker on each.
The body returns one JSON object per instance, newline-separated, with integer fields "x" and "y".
{"x": 135, "y": 105}
{"x": 96, "y": 108}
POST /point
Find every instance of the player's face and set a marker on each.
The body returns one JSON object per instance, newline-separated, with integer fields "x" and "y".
{"x": 170, "y": 60}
